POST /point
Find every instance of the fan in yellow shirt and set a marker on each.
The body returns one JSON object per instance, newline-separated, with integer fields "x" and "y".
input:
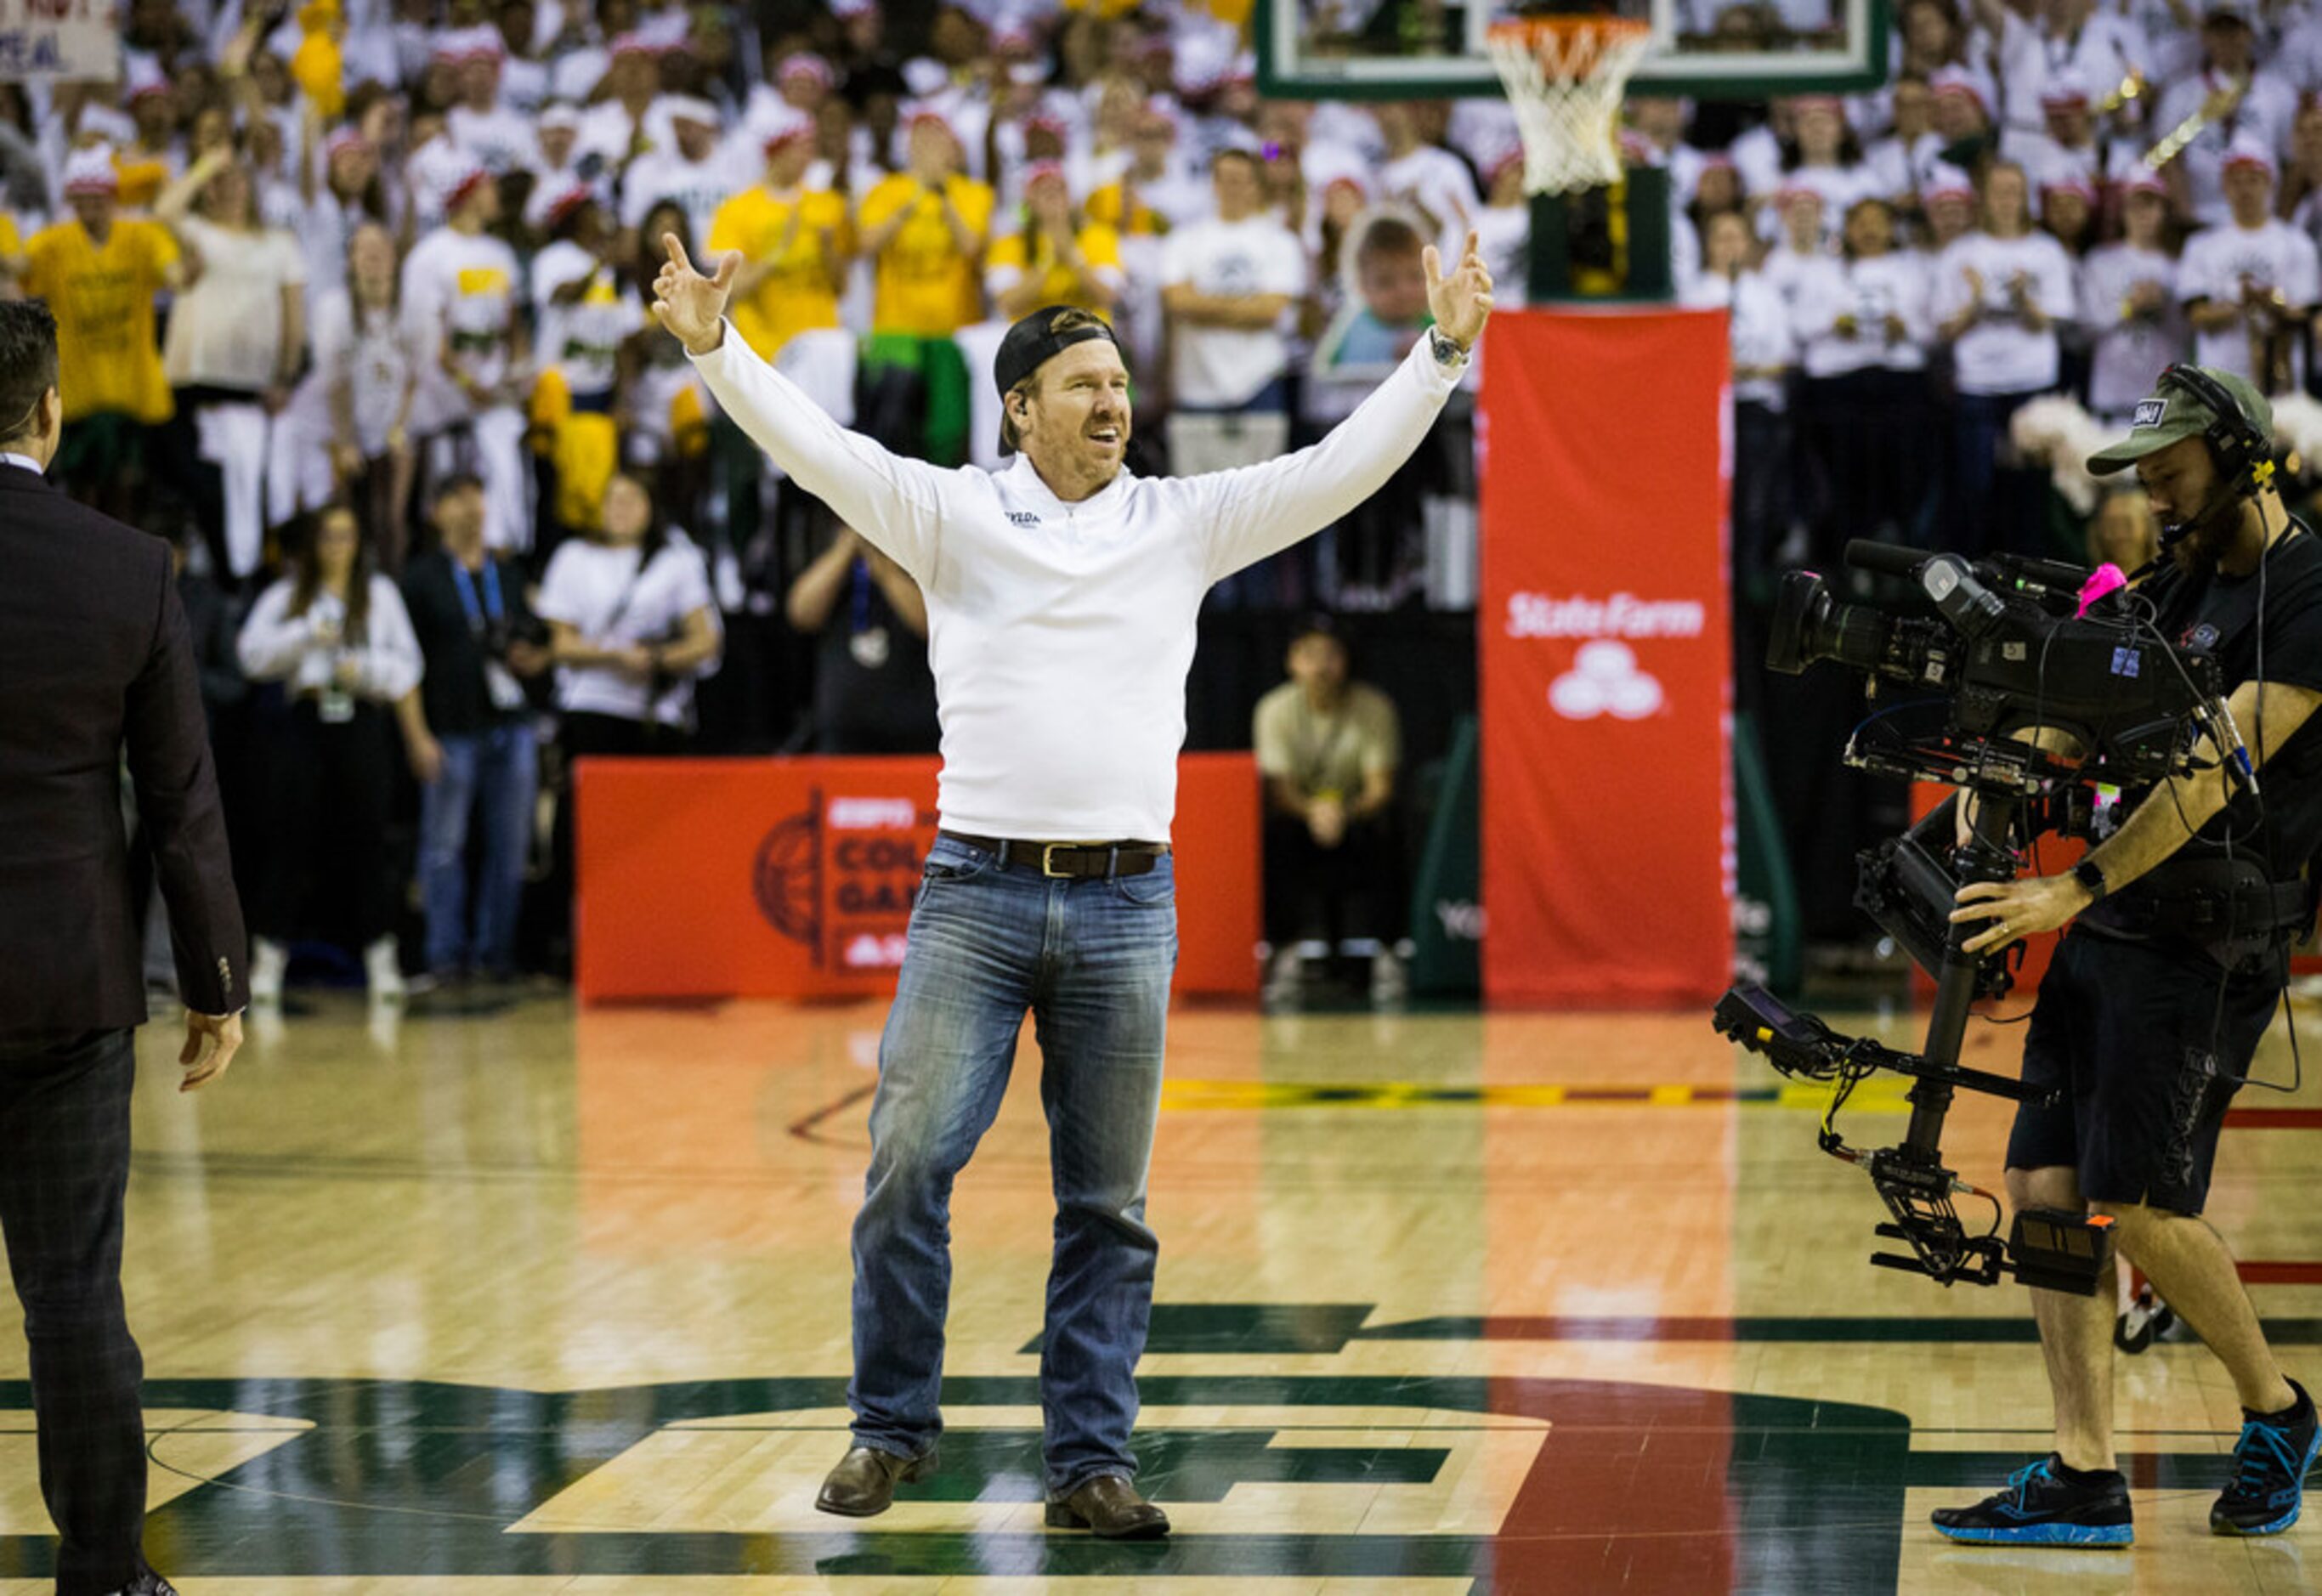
{"x": 99, "y": 273}
{"x": 926, "y": 226}
{"x": 1057, "y": 258}
{"x": 795, "y": 244}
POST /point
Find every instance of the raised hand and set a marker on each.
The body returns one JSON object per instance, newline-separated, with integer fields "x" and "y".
{"x": 692, "y": 306}
{"x": 1462, "y": 302}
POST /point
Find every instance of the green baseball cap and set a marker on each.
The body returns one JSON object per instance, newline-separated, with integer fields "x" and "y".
{"x": 2175, "y": 413}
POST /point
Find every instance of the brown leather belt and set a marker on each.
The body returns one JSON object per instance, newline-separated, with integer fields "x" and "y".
{"x": 1069, "y": 860}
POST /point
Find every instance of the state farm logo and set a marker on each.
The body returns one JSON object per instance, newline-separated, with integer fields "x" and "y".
{"x": 1605, "y": 679}
{"x": 1624, "y": 615}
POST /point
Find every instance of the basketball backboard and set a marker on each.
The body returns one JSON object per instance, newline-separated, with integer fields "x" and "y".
{"x": 1434, "y": 48}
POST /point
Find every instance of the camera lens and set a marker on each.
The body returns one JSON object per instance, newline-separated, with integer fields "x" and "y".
{"x": 1802, "y": 607}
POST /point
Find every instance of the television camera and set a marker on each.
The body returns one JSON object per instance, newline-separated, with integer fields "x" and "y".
{"x": 2045, "y": 699}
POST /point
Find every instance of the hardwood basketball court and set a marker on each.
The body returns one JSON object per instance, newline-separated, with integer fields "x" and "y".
{"x": 504, "y": 1299}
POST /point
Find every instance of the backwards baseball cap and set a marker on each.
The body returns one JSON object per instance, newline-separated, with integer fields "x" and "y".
{"x": 1046, "y": 333}
{"x": 2174, "y": 413}
{"x": 1030, "y": 344}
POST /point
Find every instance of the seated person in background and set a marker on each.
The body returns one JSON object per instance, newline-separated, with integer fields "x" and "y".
{"x": 873, "y": 691}
{"x": 1328, "y": 748}
{"x": 2124, "y": 531}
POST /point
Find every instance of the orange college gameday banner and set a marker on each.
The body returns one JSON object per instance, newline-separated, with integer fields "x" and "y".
{"x": 1605, "y": 659}
{"x": 793, "y": 878}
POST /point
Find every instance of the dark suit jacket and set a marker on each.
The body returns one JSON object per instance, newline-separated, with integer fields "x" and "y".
{"x": 95, "y": 655}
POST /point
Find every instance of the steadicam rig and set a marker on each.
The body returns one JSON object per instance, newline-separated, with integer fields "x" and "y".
{"x": 2045, "y": 698}
{"x": 2062, "y": 1252}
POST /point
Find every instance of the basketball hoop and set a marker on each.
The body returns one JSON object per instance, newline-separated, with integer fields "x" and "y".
{"x": 1565, "y": 76}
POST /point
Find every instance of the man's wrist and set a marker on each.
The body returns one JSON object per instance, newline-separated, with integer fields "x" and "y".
{"x": 1447, "y": 350}
{"x": 717, "y": 341}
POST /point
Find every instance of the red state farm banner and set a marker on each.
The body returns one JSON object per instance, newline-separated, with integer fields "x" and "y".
{"x": 1605, "y": 659}
{"x": 793, "y": 878}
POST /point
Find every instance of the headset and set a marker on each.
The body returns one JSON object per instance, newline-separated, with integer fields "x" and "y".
{"x": 2243, "y": 450}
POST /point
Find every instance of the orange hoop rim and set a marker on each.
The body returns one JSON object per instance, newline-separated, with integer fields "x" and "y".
{"x": 1565, "y": 25}
{"x": 1568, "y": 46}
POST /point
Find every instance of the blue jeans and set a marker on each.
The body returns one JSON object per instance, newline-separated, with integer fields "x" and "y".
{"x": 1092, "y": 959}
{"x": 493, "y": 776}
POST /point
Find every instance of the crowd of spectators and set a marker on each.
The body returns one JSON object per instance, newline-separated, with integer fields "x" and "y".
{"x": 351, "y": 303}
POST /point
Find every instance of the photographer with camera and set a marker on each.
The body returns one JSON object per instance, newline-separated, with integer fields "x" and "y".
{"x": 2151, "y": 1013}
{"x": 481, "y": 643}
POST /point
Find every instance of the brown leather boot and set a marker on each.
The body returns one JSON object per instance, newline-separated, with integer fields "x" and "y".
{"x": 864, "y": 1483}
{"x": 1109, "y": 1506}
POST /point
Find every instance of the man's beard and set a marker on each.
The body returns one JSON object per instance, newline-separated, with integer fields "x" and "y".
{"x": 2205, "y": 542}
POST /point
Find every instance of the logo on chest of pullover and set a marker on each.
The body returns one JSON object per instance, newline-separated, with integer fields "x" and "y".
{"x": 1023, "y": 518}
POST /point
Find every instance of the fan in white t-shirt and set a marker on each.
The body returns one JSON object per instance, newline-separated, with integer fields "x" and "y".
{"x": 1963, "y": 112}
{"x": 694, "y": 172}
{"x": 235, "y": 337}
{"x": 1868, "y": 309}
{"x": 2251, "y": 286}
{"x": 345, "y": 426}
{"x": 464, "y": 298}
{"x": 1426, "y": 177}
{"x": 496, "y": 134}
{"x": 1227, "y": 283}
{"x": 1758, "y": 324}
{"x": 2242, "y": 99}
{"x": 559, "y": 163}
{"x": 2070, "y": 37}
{"x": 621, "y": 96}
{"x": 2128, "y": 305}
{"x": 1828, "y": 160}
{"x": 1904, "y": 159}
{"x": 2068, "y": 147}
{"x": 1763, "y": 350}
{"x": 1804, "y": 244}
{"x": 1503, "y": 225}
{"x": 1998, "y": 293}
{"x": 632, "y": 618}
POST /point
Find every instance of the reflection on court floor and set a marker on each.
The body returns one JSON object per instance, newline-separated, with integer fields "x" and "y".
{"x": 516, "y": 1301}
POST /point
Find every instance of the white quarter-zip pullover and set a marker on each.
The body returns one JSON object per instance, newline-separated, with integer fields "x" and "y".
{"x": 1060, "y": 634}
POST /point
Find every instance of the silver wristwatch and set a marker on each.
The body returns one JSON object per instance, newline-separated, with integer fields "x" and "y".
{"x": 1447, "y": 353}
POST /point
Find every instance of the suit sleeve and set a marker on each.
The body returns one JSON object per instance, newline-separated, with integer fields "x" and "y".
{"x": 1255, "y": 511}
{"x": 178, "y": 807}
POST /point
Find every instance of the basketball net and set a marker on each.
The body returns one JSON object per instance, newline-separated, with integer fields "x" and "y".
{"x": 1565, "y": 76}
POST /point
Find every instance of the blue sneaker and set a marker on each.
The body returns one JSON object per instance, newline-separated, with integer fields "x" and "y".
{"x": 2270, "y": 1465}
{"x": 2042, "y": 1508}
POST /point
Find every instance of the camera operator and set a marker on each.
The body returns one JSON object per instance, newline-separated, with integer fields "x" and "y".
{"x": 2151, "y": 1013}
{"x": 480, "y": 642}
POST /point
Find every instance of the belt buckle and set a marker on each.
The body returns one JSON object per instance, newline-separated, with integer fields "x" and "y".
{"x": 1047, "y": 861}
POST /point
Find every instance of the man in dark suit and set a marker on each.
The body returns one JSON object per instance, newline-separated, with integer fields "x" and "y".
{"x": 95, "y": 658}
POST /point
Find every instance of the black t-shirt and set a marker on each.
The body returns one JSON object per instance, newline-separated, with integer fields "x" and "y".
{"x": 456, "y": 692}
{"x": 873, "y": 691}
{"x": 2218, "y": 615}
